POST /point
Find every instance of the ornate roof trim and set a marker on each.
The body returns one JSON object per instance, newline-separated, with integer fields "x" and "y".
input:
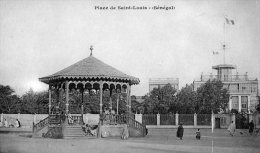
{"x": 90, "y": 68}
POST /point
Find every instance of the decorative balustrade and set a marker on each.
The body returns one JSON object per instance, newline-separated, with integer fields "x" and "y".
{"x": 75, "y": 119}
{"x": 136, "y": 125}
{"x": 232, "y": 78}
{"x": 114, "y": 119}
{"x": 55, "y": 119}
{"x": 41, "y": 124}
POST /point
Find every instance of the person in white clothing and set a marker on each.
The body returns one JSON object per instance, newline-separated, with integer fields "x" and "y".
{"x": 232, "y": 128}
{"x": 6, "y": 123}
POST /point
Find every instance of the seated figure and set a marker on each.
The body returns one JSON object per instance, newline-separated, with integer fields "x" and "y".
{"x": 17, "y": 123}
{"x": 6, "y": 124}
{"x": 70, "y": 119}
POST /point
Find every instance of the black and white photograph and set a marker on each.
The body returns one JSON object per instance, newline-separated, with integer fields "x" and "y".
{"x": 128, "y": 76}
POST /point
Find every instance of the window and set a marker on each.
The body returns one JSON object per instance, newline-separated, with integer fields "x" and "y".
{"x": 244, "y": 101}
{"x": 235, "y": 102}
{"x": 244, "y": 106}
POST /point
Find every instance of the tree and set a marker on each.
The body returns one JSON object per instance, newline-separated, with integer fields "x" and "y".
{"x": 211, "y": 96}
{"x": 35, "y": 102}
{"x": 9, "y": 102}
{"x": 186, "y": 101}
{"x": 136, "y": 107}
{"x": 159, "y": 100}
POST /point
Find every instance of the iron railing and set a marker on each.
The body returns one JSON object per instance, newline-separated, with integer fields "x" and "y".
{"x": 186, "y": 119}
{"x": 203, "y": 119}
{"x": 231, "y": 78}
{"x": 167, "y": 119}
{"x": 149, "y": 119}
{"x": 75, "y": 119}
{"x": 114, "y": 119}
{"x": 37, "y": 127}
{"x": 136, "y": 125}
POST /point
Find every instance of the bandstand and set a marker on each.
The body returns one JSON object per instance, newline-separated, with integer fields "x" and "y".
{"x": 84, "y": 76}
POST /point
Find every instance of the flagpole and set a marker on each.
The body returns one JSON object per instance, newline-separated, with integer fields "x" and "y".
{"x": 224, "y": 44}
{"x": 212, "y": 129}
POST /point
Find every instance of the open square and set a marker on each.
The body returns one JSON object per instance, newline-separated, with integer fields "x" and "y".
{"x": 157, "y": 141}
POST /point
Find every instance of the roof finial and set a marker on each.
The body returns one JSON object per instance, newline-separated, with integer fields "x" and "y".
{"x": 91, "y": 48}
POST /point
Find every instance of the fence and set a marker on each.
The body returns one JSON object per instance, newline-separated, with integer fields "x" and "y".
{"x": 186, "y": 119}
{"x": 194, "y": 120}
{"x": 189, "y": 120}
{"x": 203, "y": 119}
{"x": 26, "y": 120}
{"x": 167, "y": 119}
{"x": 149, "y": 119}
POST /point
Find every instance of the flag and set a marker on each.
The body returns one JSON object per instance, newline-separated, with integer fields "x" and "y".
{"x": 215, "y": 53}
{"x": 229, "y": 21}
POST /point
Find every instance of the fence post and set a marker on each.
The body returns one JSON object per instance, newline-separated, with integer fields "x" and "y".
{"x": 195, "y": 120}
{"x": 233, "y": 118}
{"x": 138, "y": 117}
{"x": 158, "y": 119}
{"x": 212, "y": 120}
{"x": 2, "y": 117}
{"x": 34, "y": 118}
{"x": 176, "y": 118}
{"x": 33, "y": 128}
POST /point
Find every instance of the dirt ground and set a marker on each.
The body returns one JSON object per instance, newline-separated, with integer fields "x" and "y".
{"x": 157, "y": 141}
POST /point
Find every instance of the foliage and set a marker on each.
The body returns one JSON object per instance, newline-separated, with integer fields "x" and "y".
{"x": 211, "y": 96}
{"x": 186, "y": 101}
{"x": 159, "y": 100}
{"x": 35, "y": 102}
{"x": 136, "y": 106}
{"x": 9, "y": 102}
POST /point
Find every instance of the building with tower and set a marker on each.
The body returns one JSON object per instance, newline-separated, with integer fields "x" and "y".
{"x": 160, "y": 82}
{"x": 243, "y": 90}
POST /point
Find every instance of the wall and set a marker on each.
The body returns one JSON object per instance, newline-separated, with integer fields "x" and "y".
{"x": 26, "y": 120}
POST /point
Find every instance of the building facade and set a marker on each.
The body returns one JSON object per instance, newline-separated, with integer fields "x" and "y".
{"x": 160, "y": 82}
{"x": 243, "y": 90}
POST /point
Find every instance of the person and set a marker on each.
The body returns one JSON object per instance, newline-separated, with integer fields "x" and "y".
{"x": 198, "y": 134}
{"x": 251, "y": 127}
{"x": 125, "y": 133}
{"x": 180, "y": 131}
{"x": 6, "y": 123}
{"x": 70, "y": 119}
{"x": 232, "y": 128}
{"x": 17, "y": 123}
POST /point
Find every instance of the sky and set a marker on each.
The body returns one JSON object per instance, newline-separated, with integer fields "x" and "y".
{"x": 39, "y": 38}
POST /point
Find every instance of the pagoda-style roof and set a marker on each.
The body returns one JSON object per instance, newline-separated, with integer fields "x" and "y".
{"x": 90, "y": 68}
